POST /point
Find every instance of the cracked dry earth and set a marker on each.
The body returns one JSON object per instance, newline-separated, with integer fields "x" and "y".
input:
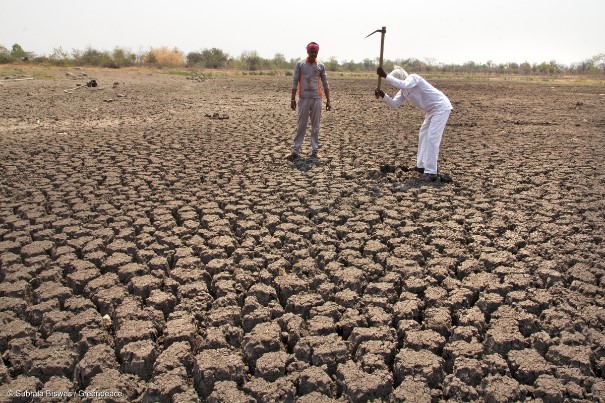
{"x": 152, "y": 249}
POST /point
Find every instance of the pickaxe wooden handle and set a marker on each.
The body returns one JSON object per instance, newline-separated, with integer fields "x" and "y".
{"x": 382, "y": 31}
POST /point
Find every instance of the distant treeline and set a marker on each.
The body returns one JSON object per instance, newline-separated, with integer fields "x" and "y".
{"x": 251, "y": 61}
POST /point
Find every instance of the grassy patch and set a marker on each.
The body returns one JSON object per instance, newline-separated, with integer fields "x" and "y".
{"x": 20, "y": 71}
{"x": 179, "y": 73}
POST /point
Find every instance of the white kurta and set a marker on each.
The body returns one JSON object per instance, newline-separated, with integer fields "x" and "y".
{"x": 418, "y": 92}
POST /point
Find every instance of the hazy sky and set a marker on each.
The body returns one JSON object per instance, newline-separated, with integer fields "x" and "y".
{"x": 446, "y": 31}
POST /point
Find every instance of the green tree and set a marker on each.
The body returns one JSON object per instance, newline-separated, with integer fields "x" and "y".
{"x": 59, "y": 57}
{"x": 194, "y": 58}
{"x": 122, "y": 58}
{"x": 368, "y": 64}
{"x": 252, "y": 61}
{"x": 388, "y": 66}
{"x": 214, "y": 58}
{"x": 350, "y": 65}
{"x": 332, "y": 64}
{"x": 525, "y": 68}
{"x": 279, "y": 61}
{"x": 18, "y": 52}
{"x": 150, "y": 58}
{"x": 555, "y": 68}
{"x": 597, "y": 63}
{"x": 5, "y": 55}
{"x": 469, "y": 67}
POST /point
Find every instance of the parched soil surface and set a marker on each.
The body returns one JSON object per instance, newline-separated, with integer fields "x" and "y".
{"x": 156, "y": 246}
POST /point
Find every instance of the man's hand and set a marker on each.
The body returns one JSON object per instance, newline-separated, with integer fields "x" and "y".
{"x": 379, "y": 93}
{"x": 293, "y": 104}
{"x": 328, "y": 105}
{"x": 381, "y": 73}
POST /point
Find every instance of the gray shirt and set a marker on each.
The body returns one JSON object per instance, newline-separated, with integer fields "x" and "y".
{"x": 310, "y": 78}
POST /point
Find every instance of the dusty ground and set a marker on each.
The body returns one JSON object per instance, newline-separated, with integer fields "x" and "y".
{"x": 227, "y": 274}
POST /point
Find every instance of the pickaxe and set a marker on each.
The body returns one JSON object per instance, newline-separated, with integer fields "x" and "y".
{"x": 383, "y": 31}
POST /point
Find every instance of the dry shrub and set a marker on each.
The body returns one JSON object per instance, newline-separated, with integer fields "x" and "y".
{"x": 165, "y": 57}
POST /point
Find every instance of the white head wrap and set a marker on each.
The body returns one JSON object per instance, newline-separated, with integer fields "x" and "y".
{"x": 399, "y": 73}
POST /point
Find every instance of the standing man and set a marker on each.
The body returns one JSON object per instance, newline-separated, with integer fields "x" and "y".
{"x": 309, "y": 78}
{"x": 418, "y": 92}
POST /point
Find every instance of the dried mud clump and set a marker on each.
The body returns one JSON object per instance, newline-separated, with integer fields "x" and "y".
{"x": 160, "y": 248}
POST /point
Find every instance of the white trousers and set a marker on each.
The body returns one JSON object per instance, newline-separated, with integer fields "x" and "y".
{"x": 307, "y": 107}
{"x": 429, "y": 140}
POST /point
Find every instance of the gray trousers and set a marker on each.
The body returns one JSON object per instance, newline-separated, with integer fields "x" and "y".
{"x": 307, "y": 107}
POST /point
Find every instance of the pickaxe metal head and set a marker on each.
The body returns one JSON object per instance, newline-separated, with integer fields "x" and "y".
{"x": 383, "y": 31}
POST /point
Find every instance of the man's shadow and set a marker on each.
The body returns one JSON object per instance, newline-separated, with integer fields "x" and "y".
{"x": 306, "y": 164}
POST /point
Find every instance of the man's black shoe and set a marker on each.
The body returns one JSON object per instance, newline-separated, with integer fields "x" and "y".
{"x": 414, "y": 169}
{"x": 429, "y": 177}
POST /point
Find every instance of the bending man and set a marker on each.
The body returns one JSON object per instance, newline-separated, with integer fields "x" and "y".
{"x": 418, "y": 92}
